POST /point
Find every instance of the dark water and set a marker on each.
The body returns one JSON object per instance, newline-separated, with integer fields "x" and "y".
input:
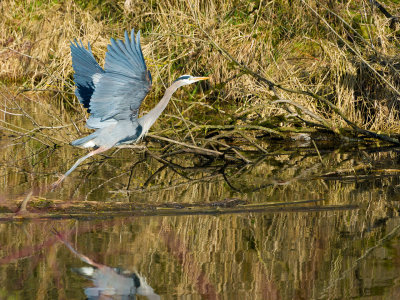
{"x": 295, "y": 223}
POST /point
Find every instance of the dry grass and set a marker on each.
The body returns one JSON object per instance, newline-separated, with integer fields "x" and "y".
{"x": 346, "y": 53}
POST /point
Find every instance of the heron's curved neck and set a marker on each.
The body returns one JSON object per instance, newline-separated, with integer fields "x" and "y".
{"x": 148, "y": 120}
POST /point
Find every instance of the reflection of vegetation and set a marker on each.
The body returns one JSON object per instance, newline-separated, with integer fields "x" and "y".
{"x": 256, "y": 256}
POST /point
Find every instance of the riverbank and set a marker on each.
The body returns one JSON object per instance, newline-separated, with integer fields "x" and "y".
{"x": 276, "y": 68}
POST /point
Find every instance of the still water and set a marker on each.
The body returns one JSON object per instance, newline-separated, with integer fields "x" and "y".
{"x": 325, "y": 235}
{"x": 301, "y": 221}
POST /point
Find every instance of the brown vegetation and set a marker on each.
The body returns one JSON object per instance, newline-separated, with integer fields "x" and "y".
{"x": 341, "y": 59}
{"x": 279, "y": 69}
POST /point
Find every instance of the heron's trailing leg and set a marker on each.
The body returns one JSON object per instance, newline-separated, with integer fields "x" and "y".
{"x": 77, "y": 163}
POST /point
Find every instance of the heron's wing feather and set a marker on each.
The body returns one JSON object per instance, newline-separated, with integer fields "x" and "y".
{"x": 120, "y": 90}
{"x": 85, "y": 66}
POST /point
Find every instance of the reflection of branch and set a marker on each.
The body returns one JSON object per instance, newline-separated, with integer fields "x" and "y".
{"x": 153, "y": 175}
{"x": 180, "y": 251}
{"x": 367, "y": 252}
{"x": 131, "y": 172}
{"x": 303, "y": 175}
{"x": 189, "y": 175}
{"x": 103, "y": 183}
{"x": 158, "y": 188}
{"x": 21, "y": 133}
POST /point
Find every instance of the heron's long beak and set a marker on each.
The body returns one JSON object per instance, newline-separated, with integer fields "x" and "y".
{"x": 199, "y": 78}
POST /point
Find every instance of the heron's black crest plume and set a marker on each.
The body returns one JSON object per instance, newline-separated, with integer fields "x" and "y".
{"x": 183, "y": 77}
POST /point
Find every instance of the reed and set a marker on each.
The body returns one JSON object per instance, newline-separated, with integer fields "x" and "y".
{"x": 347, "y": 54}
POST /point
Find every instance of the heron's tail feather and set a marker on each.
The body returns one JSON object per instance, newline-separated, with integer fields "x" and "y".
{"x": 85, "y": 142}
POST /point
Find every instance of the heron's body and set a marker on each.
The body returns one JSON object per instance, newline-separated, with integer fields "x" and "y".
{"x": 113, "y": 95}
{"x": 114, "y": 134}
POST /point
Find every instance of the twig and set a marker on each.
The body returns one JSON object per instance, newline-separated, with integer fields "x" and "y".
{"x": 201, "y": 150}
{"x": 240, "y": 127}
{"x": 305, "y": 110}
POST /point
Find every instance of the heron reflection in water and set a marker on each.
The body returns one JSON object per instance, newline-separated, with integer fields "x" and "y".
{"x": 110, "y": 283}
{"x": 113, "y": 95}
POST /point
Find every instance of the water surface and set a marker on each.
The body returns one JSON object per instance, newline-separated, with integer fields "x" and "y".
{"x": 304, "y": 220}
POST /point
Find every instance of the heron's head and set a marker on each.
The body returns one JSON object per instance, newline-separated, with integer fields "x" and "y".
{"x": 188, "y": 79}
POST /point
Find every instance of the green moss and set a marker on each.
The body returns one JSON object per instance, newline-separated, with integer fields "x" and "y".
{"x": 42, "y": 203}
{"x": 105, "y": 10}
{"x": 4, "y": 209}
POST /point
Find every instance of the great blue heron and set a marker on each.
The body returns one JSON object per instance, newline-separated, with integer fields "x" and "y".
{"x": 113, "y": 95}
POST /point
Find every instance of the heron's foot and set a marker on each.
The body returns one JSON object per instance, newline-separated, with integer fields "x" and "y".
{"x": 57, "y": 183}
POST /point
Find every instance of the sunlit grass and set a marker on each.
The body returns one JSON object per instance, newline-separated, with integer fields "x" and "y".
{"x": 282, "y": 40}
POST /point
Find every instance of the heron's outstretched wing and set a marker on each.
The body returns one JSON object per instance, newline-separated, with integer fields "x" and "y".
{"x": 120, "y": 90}
{"x": 85, "y": 66}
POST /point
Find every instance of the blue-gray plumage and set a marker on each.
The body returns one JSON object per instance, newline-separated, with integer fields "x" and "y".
{"x": 113, "y": 96}
{"x": 85, "y": 67}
